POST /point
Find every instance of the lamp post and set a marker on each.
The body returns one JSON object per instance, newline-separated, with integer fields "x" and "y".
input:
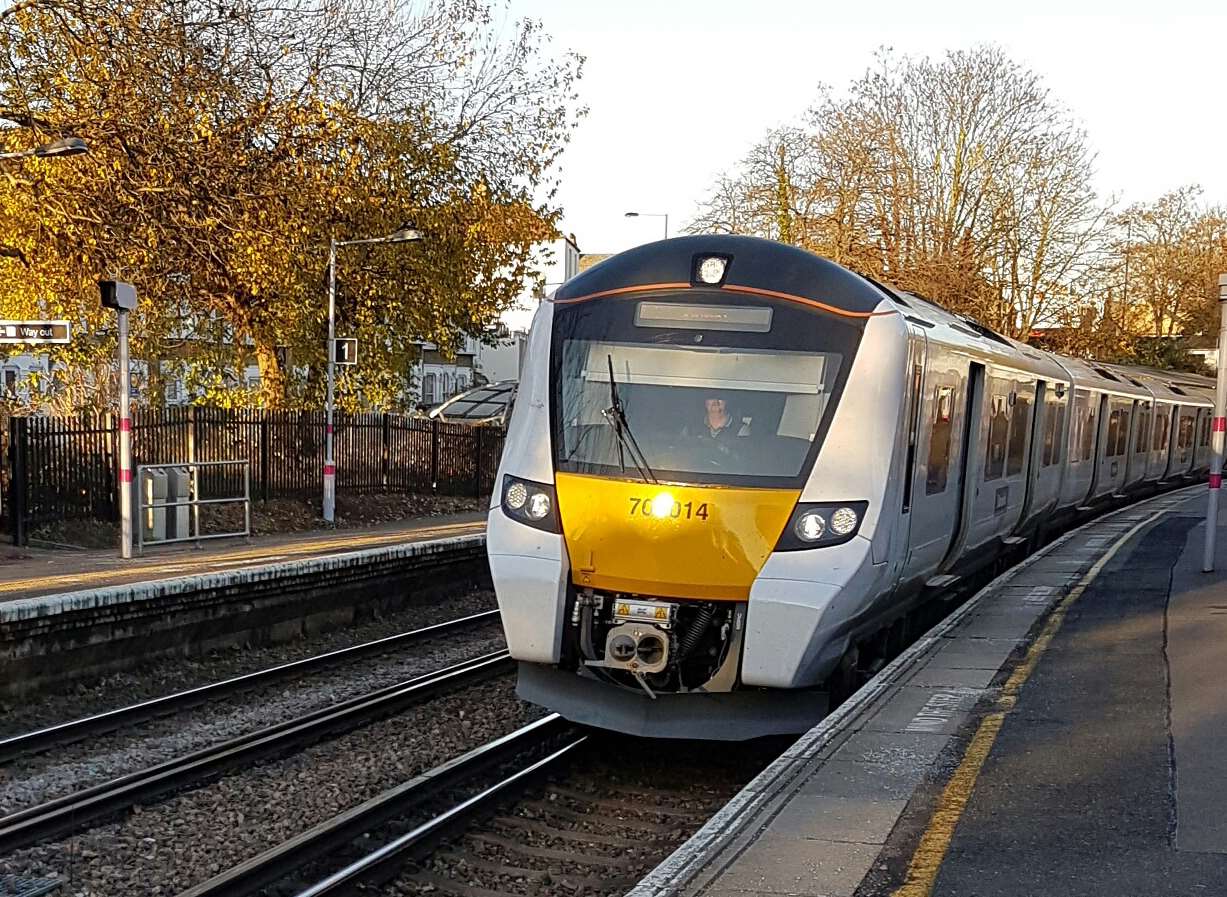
{"x": 1218, "y": 431}
{"x": 663, "y": 215}
{"x": 65, "y": 146}
{"x": 404, "y": 235}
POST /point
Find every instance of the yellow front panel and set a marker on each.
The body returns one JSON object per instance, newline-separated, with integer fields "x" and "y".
{"x": 670, "y": 541}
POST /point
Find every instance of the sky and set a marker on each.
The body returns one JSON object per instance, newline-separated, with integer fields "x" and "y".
{"x": 679, "y": 90}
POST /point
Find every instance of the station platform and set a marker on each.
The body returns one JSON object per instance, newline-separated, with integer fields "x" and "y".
{"x": 1061, "y": 734}
{"x": 39, "y": 572}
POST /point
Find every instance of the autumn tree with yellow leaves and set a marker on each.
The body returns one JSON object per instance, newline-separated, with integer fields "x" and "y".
{"x": 231, "y": 139}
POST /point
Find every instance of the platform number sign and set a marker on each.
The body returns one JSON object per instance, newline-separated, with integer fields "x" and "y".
{"x": 345, "y": 351}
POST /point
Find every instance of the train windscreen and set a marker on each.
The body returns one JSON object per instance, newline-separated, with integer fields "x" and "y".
{"x": 696, "y": 392}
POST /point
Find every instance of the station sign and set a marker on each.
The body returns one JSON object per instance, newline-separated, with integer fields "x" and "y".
{"x": 35, "y": 332}
{"x": 345, "y": 351}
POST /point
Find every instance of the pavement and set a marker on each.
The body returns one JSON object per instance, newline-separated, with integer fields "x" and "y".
{"x": 1061, "y": 734}
{"x": 38, "y": 572}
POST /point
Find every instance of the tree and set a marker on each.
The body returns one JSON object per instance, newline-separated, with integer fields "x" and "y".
{"x": 960, "y": 179}
{"x": 230, "y": 140}
{"x": 1170, "y": 253}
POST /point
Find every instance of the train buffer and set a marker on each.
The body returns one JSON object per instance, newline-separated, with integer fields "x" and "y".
{"x": 1061, "y": 734}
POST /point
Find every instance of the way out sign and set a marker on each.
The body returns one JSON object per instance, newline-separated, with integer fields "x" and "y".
{"x": 34, "y": 332}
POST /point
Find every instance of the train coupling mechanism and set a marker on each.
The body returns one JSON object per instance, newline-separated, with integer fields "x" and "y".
{"x": 638, "y": 642}
{"x": 657, "y": 645}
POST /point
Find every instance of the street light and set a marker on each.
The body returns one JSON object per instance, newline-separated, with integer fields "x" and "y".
{"x": 403, "y": 235}
{"x": 65, "y": 146}
{"x": 663, "y": 215}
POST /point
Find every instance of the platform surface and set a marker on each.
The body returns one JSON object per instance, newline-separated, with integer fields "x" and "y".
{"x": 48, "y": 572}
{"x": 1063, "y": 734}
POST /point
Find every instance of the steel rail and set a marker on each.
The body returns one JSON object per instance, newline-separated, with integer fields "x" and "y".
{"x": 78, "y": 729}
{"x": 383, "y": 862}
{"x": 288, "y": 858}
{"x": 80, "y": 809}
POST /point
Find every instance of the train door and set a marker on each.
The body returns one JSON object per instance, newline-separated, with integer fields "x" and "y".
{"x": 1163, "y": 440}
{"x": 1033, "y": 467}
{"x": 937, "y": 479}
{"x": 914, "y": 411}
{"x": 970, "y": 459}
{"x": 1099, "y": 466}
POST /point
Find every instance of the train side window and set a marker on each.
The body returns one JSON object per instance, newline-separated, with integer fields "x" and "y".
{"x": 1140, "y": 442}
{"x": 1111, "y": 449}
{"x": 1019, "y": 424}
{"x": 1088, "y": 431}
{"x": 1050, "y": 432}
{"x": 1058, "y": 441}
{"x": 938, "y": 468}
{"x": 1163, "y": 425}
{"x": 1205, "y": 430}
{"x": 998, "y": 433}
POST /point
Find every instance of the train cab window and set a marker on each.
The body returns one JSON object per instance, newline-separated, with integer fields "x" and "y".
{"x": 1019, "y": 424}
{"x": 714, "y": 392}
{"x": 998, "y": 434}
{"x": 938, "y": 468}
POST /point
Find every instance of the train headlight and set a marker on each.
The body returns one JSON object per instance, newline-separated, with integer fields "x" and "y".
{"x": 538, "y": 506}
{"x": 711, "y": 269}
{"x": 810, "y": 526}
{"x": 844, "y": 521}
{"x": 818, "y": 525}
{"x": 532, "y": 504}
{"x": 517, "y": 496}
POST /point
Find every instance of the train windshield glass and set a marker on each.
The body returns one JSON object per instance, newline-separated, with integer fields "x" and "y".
{"x": 684, "y": 403}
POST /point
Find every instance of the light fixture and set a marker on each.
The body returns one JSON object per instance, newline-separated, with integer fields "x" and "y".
{"x": 711, "y": 269}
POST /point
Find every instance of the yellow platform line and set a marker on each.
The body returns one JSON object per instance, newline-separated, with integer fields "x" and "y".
{"x": 210, "y": 562}
{"x": 935, "y": 842}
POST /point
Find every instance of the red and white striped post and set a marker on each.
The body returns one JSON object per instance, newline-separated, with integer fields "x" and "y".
{"x": 122, "y": 297}
{"x": 1219, "y": 433}
{"x": 125, "y": 441}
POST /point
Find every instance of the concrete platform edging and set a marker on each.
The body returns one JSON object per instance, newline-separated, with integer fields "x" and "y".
{"x": 51, "y": 639}
{"x": 697, "y": 863}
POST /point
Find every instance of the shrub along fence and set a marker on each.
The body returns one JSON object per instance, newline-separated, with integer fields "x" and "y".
{"x": 65, "y": 468}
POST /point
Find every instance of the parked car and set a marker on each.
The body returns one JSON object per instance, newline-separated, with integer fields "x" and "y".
{"x": 490, "y": 403}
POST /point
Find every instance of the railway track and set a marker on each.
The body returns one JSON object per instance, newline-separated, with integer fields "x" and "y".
{"x": 98, "y": 724}
{"x": 548, "y": 808}
{"x": 89, "y": 806}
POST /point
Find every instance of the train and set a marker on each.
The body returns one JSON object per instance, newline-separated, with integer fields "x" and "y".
{"x": 736, "y": 469}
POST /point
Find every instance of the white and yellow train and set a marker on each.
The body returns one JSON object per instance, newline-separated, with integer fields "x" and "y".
{"x": 734, "y": 468}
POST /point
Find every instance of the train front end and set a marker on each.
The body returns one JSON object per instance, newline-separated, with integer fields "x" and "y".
{"x": 659, "y": 464}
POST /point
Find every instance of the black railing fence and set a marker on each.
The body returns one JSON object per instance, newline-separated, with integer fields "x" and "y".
{"x": 65, "y": 468}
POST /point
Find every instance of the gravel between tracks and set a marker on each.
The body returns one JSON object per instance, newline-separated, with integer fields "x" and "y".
{"x": 171, "y": 674}
{"x": 31, "y": 780}
{"x": 170, "y": 846}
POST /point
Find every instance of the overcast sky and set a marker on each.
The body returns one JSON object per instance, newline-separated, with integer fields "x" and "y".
{"x": 680, "y": 89}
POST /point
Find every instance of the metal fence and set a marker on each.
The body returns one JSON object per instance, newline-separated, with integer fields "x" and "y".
{"x": 64, "y": 468}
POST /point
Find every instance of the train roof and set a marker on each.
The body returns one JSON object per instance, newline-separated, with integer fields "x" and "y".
{"x": 752, "y": 262}
{"x": 768, "y": 265}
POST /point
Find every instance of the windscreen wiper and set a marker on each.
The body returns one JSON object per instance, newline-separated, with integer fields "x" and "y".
{"x": 616, "y": 415}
